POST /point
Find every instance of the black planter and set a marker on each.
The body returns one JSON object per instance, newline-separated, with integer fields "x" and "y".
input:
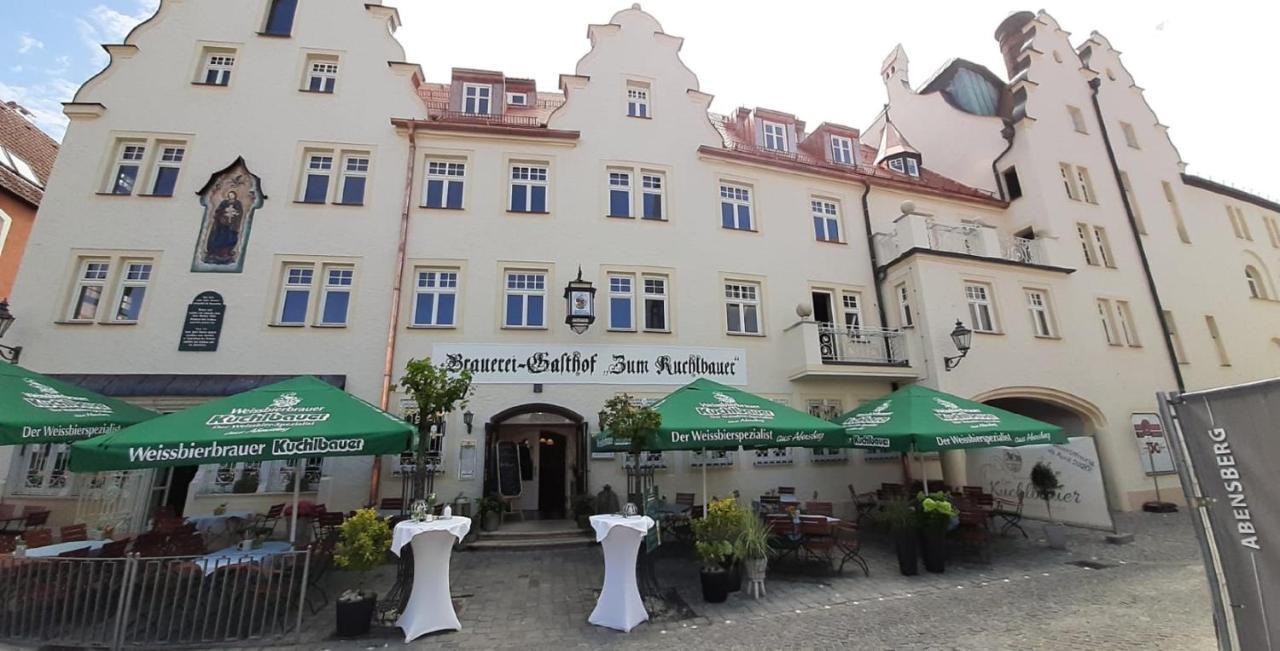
{"x": 734, "y": 579}
{"x": 933, "y": 549}
{"x": 715, "y": 586}
{"x": 908, "y": 547}
{"x": 355, "y": 617}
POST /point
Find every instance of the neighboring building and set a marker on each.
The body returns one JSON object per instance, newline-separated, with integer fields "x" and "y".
{"x": 26, "y": 158}
{"x": 744, "y": 247}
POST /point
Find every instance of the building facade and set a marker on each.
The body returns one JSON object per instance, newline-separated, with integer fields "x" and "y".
{"x": 345, "y": 215}
{"x": 26, "y": 158}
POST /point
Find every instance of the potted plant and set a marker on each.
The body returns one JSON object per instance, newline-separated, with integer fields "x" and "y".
{"x": 723, "y": 524}
{"x": 491, "y": 510}
{"x": 900, "y": 518}
{"x": 713, "y": 575}
{"x": 584, "y": 506}
{"x": 936, "y": 515}
{"x": 362, "y": 546}
{"x": 1045, "y": 483}
{"x": 753, "y": 548}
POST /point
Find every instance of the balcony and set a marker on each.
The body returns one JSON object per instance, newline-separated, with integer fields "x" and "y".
{"x": 830, "y": 350}
{"x": 440, "y": 112}
{"x": 976, "y": 240}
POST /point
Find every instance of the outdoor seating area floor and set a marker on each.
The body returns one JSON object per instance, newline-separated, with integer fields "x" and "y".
{"x": 541, "y": 599}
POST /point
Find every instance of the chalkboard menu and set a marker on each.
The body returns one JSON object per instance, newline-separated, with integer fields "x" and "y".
{"x": 203, "y": 326}
{"x": 508, "y": 469}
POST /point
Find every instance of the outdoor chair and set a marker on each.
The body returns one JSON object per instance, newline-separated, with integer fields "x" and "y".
{"x": 37, "y": 538}
{"x": 817, "y": 539}
{"x": 864, "y": 505}
{"x": 786, "y": 490}
{"x": 972, "y": 533}
{"x": 889, "y": 491}
{"x": 266, "y": 523}
{"x": 392, "y": 504}
{"x": 784, "y": 535}
{"x": 73, "y": 533}
{"x": 770, "y": 504}
{"x": 849, "y": 546}
{"x": 971, "y": 490}
{"x": 1010, "y": 514}
{"x": 35, "y": 519}
{"x": 686, "y": 500}
{"x": 819, "y": 508}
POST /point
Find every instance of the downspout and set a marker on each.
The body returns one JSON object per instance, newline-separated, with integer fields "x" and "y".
{"x": 397, "y": 282}
{"x": 1007, "y": 133}
{"x": 1094, "y": 85}
{"x": 875, "y": 264}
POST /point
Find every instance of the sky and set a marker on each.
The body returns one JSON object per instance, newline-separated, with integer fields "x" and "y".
{"x": 1204, "y": 65}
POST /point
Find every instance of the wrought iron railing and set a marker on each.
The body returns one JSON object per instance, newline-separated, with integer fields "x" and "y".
{"x": 845, "y": 345}
{"x": 439, "y": 111}
{"x": 1021, "y": 249}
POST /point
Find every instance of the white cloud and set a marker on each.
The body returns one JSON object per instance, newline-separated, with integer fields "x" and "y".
{"x": 60, "y": 66}
{"x": 15, "y": 69}
{"x": 44, "y": 100}
{"x": 102, "y": 24}
{"x": 26, "y": 43}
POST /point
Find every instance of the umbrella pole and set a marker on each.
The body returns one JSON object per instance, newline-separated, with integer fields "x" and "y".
{"x": 924, "y": 471}
{"x": 293, "y": 519}
{"x": 705, "y": 502}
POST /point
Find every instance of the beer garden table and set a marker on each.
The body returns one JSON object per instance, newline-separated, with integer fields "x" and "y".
{"x": 430, "y": 606}
{"x": 620, "y": 606}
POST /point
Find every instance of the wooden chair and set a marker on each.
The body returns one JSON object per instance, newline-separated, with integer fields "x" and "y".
{"x": 784, "y": 535}
{"x": 266, "y": 522}
{"x": 37, "y": 538}
{"x": 865, "y": 505}
{"x": 786, "y": 490}
{"x": 849, "y": 546}
{"x": 819, "y": 508}
{"x": 686, "y": 500}
{"x": 770, "y": 503}
{"x": 392, "y": 504}
{"x": 73, "y": 533}
{"x": 35, "y": 519}
{"x": 971, "y": 490}
{"x": 817, "y": 539}
{"x": 973, "y": 533}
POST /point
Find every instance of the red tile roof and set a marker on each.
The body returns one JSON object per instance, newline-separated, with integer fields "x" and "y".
{"x": 28, "y": 142}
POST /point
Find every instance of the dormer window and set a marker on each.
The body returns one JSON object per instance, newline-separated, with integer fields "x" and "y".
{"x": 841, "y": 150}
{"x": 905, "y": 165}
{"x": 775, "y": 136}
{"x": 517, "y": 99}
{"x": 475, "y": 98}
{"x": 637, "y": 99}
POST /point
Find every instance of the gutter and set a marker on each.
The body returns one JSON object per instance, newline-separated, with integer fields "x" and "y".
{"x": 397, "y": 284}
{"x": 1007, "y": 133}
{"x": 1094, "y": 85}
{"x": 876, "y": 274}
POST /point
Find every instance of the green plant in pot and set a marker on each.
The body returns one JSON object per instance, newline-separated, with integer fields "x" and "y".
{"x": 362, "y": 545}
{"x": 753, "y": 548}
{"x": 936, "y": 515}
{"x": 723, "y": 523}
{"x": 491, "y": 509}
{"x": 713, "y": 575}
{"x": 584, "y": 506}
{"x": 1045, "y": 484}
{"x": 899, "y": 517}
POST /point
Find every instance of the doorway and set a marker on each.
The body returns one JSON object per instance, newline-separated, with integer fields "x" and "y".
{"x": 558, "y": 445}
{"x": 824, "y": 314}
{"x": 551, "y": 475}
{"x": 179, "y": 485}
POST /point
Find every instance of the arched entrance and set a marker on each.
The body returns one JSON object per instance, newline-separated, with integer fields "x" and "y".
{"x": 546, "y": 446}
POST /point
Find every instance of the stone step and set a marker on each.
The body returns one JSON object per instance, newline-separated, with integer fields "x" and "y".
{"x": 491, "y": 544}
{"x": 517, "y": 534}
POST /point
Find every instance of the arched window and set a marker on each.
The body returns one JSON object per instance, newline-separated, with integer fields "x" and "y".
{"x": 1257, "y": 288}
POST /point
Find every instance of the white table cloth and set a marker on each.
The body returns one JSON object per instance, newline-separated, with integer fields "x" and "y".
{"x": 218, "y": 529}
{"x": 49, "y": 551}
{"x": 430, "y": 607}
{"x": 234, "y": 556}
{"x": 620, "y": 606}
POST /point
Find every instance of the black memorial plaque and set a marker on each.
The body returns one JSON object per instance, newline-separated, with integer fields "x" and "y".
{"x": 203, "y": 326}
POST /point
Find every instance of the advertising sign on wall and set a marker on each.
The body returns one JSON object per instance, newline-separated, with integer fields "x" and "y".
{"x": 559, "y": 364}
{"x": 1153, "y": 447}
{"x": 1004, "y": 472}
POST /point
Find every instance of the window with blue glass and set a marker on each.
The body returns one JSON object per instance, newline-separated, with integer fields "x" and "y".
{"x": 842, "y": 150}
{"x": 337, "y": 295}
{"x": 355, "y": 172}
{"x": 476, "y": 98}
{"x": 435, "y": 298}
{"x": 127, "y": 165}
{"x": 826, "y": 220}
{"x": 280, "y": 17}
{"x": 322, "y": 74}
{"x": 526, "y": 297}
{"x": 652, "y": 189}
{"x": 619, "y": 193}
{"x": 167, "y": 167}
{"x": 315, "y": 186}
{"x": 637, "y": 99}
{"x": 735, "y": 207}
{"x": 528, "y": 188}
{"x": 295, "y": 295}
{"x": 445, "y": 184}
{"x": 621, "y": 302}
{"x": 217, "y": 67}
{"x": 133, "y": 290}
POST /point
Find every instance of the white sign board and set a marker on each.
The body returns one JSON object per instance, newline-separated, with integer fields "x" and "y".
{"x": 1082, "y": 500}
{"x": 558, "y": 364}
{"x": 1153, "y": 448}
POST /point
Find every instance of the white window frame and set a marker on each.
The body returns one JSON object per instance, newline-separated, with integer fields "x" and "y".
{"x": 221, "y": 63}
{"x": 526, "y": 292}
{"x": 318, "y": 162}
{"x": 827, "y": 212}
{"x": 447, "y": 172}
{"x": 826, "y": 410}
{"x": 896, "y": 165}
{"x": 289, "y": 282}
{"x": 524, "y": 99}
{"x": 1107, "y": 317}
{"x": 638, "y": 105}
{"x": 1085, "y": 233}
{"x": 530, "y": 175}
{"x": 1041, "y": 312}
{"x": 647, "y": 295}
{"x": 53, "y": 459}
{"x": 1077, "y": 119}
{"x": 842, "y": 150}
{"x": 982, "y": 309}
{"x": 736, "y": 296}
{"x": 445, "y": 281}
{"x": 773, "y": 457}
{"x": 129, "y": 153}
{"x": 475, "y": 97}
{"x": 322, "y": 69}
{"x": 775, "y": 136}
{"x": 1086, "y": 185}
{"x": 653, "y": 182}
{"x": 1128, "y": 329}
{"x": 620, "y": 179}
{"x": 712, "y": 458}
{"x": 90, "y": 273}
{"x": 18, "y": 164}
{"x": 135, "y": 274}
{"x": 1254, "y": 279}
{"x": 904, "y": 305}
{"x": 851, "y": 312}
{"x": 170, "y": 157}
{"x": 355, "y": 164}
{"x": 1104, "y": 247}
{"x": 1069, "y": 181}
{"x": 913, "y": 168}
{"x": 737, "y": 195}
{"x": 622, "y": 286}
{"x": 343, "y": 283}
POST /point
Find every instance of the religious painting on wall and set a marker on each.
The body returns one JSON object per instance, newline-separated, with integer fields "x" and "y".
{"x": 230, "y": 199}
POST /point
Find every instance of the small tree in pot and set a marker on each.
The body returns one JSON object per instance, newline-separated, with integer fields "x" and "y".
{"x": 630, "y": 423}
{"x": 1045, "y": 483}
{"x": 900, "y": 518}
{"x": 362, "y": 546}
{"x": 436, "y": 391}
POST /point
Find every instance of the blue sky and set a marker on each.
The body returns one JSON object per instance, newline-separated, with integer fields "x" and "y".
{"x": 1206, "y": 66}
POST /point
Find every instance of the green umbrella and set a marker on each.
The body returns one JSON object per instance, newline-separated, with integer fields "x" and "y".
{"x": 922, "y": 419}
{"x": 39, "y": 409}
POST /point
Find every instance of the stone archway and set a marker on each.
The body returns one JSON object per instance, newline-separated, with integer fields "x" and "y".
{"x": 533, "y": 424}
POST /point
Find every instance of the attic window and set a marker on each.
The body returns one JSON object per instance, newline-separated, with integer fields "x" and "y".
{"x": 775, "y": 136}
{"x": 14, "y": 162}
{"x": 905, "y": 165}
{"x": 517, "y": 99}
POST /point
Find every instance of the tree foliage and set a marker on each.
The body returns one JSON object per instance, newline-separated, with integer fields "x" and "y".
{"x": 434, "y": 388}
{"x": 628, "y": 421}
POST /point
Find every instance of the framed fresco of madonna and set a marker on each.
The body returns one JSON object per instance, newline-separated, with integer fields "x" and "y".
{"x": 230, "y": 199}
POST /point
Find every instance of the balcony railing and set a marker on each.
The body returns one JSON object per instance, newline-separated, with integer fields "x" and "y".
{"x": 918, "y": 232}
{"x": 441, "y": 112}
{"x": 844, "y": 345}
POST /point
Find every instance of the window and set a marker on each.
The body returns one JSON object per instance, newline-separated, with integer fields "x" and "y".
{"x": 742, "y": 308}
{"x": 1133, "y": 202}
{"x": 226, "y": 475}
{"x": 1041, "y": 318}
{"x": 895, "y": 164}
{"x": 711, "y": 458}
{"x": 1130, "y": 138}
{"x": 653, "y": 195}
{"x": 355, "y": 172}
{"x": 445, "y": 184}
{"x": 336, "y": 296}
{"x": 904, "y": 305}
{"x": 322, "y": 74}
{"x": 913, "y": 168}
{"x": 851, "y": 310}
{"x": 841, "y": 150}
{"x": 1124, "y": 317}
{"x": 280, "y": 18}
{"x": 1218, "y": 344}
{"x": 826, "y": 220}
{"x": 315, "y": 186}
{"x": 435, "y": 298}
{"x": 621, "y": 302}
{"x": 1108, "y": 327}
{"x": 217, "y": 67}
{"x": 775, "y": 136}
{"x": 773, "y": 456}
{"x": 637, "y": 99}
{"x": 1069, "y": 181}
{"x": 1011, "y": 184}
{"x": 1086, "y": 185}
{"x": 1086, "y": 243}
{"x": 133, "y": 289}
{"x": 91, "y": 284}
{"x": 517, "y": 99}
{"x": 528, "y": 188}
{"x": 475, "y": 98}
{"x": 45, "y": 470}
{"x": 827, "y": 410}
{"x": 1104, "y": 247}
{"x": 980, "y": 312}
{"x": 1257, "y": 288}
{"x": 526, "y": 295}
{"x": 1273, "y": 230}
{"x": 128, "y": 162}
{"x": 1239, "y": 225}
{"x": 619, "y": 193}
{"x": 655, "y": 304}
{"x": 1177, "y": 213}
{"x": 1171, "y": 330}
{"x": 1077, "y": 119}
{"x": 735, "y": 207}
{"x": 295, "y": 295}
{"x": 166, "y": 170}
{"x": 22, "y": 167}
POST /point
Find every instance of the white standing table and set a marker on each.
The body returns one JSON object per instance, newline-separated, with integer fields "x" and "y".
{"x": 620, "y": 606}
{"x": 430, "y": 607}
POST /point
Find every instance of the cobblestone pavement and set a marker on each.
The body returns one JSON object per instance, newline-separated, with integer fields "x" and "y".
{"x": 1149, "y": 594}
